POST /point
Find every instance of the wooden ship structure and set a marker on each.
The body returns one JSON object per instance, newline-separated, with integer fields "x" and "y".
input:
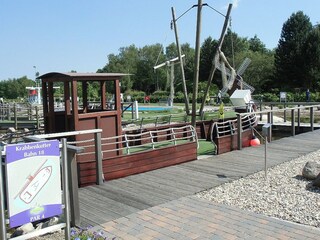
{"x": 76, "y": 115}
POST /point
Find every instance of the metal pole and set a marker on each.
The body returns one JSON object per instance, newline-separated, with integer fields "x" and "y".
{"x": 311, "y": 119}
{"x": 196, "y": 67}
{"x": 239, "y": 140}
{"x": 3, "y": 230}
{"x": 65, "y": 184}
{"x": 186, "y": 99}
{"x": 265, "y": 156}
{"x": 293, "y": 130}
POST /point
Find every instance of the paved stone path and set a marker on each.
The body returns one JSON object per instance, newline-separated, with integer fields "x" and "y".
{"x": 194, "y": 218}
{"x": 168, "y": 215}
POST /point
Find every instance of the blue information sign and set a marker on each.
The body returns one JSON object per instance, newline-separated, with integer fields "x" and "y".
{"x": 33, "y": 181}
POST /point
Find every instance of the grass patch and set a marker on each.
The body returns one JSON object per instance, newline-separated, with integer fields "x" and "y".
{"x": 206, "y": 147}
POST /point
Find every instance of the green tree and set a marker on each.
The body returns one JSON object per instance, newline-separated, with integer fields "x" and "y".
{"x": 259, "y": 73}
{"x": 125, "y": 62}
{"x": 256, "y": 45}
{"x": 146, "y": 79}
{"x": 171, "y": 52}
{"x": 290, "y": 67}
{"x": 233, "y": 44}
{"x": 15, "y": 88}
{"x": 311, "y": 50}
{"x": 208, "y": 50}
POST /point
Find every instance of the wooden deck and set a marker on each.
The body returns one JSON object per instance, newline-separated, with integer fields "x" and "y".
{"x": 121, "y": 197}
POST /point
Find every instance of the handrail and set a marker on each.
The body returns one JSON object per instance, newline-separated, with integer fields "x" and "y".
{"x": 68, "y": 134}
{"x": 229, "y": 127}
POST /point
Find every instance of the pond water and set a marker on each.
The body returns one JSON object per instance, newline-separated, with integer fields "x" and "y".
{"x": 146, "y": 108}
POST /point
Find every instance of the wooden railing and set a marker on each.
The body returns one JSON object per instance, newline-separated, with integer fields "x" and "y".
{"x": 21, "y": 113}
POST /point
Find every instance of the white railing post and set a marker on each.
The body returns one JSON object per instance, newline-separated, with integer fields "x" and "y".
{"x": 151, "y": 137}
{"x": 127, "y": 144}
{"x": 136, "y": 109}
{"x": 174, "y": 136}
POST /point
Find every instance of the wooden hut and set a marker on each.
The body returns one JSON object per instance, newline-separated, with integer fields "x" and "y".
{"x": 75, "y": 112}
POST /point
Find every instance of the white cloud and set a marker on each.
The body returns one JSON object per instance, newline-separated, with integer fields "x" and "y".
{"x": 235, "y": 3}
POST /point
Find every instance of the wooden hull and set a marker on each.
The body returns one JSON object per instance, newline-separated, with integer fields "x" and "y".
{"x": 230, "y": 142}
{"x": 126, "y": 165}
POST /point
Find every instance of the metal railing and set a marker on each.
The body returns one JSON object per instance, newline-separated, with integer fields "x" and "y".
{"x": 230, "y": 127}
{"x": 295, "y": 119}
{"x": 150, "y": 140}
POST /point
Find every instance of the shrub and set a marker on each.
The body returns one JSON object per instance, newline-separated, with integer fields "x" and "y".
{"x": 85, "y": 234}
{"x": 135, "y": 95}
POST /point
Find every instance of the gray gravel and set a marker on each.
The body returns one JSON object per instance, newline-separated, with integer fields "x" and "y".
{"x": 284, "y": 194}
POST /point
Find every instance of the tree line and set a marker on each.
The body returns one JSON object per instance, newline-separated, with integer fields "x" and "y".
{"x": 293, "y": 66}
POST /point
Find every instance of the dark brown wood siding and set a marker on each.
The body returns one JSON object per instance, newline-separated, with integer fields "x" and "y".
{"x": 122, "y": 166}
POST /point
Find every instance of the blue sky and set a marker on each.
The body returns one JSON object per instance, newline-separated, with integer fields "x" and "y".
{"x": 65, "y": 35}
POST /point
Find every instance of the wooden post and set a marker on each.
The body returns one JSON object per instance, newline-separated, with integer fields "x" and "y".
{"x": 8, "y": 112}
{"x": 260, "y": 109}
{"x": 239, "y": 123}
{"x": 284, "y": 112}
{"x": 293, "y": 132}
{"x": 299, "y": 118}
{"x": 30, "y": 113}
{"x": 196, "y": 66}
{"x": 37, "y": 117}
{"x": 213, "y": 68}
{"x": 271, "y": 117}
{"x": 99, "y": 169}
{"x": 65, "y": 185}
{"x": 15, "y": 116}
{"x": 311, "y": 119}
{"x": 185, "y": 93}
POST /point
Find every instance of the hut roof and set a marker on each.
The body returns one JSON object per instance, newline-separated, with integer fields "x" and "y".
{"x": 58, "y": 76}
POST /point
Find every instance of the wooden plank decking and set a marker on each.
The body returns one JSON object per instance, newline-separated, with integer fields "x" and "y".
{"x": 122, "y": 197}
